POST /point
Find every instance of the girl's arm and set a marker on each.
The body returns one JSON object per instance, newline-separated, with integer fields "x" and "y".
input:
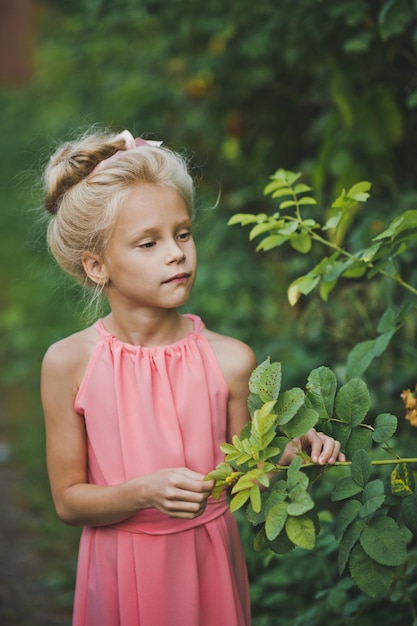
{"x": 178, "y": 492}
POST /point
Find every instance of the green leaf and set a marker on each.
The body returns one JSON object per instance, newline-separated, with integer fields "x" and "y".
{"x": 255, "y": 377}
{"x": 360, "y": 437}
{"x": 346, "y": 487}
{"x": 352, "y": 402}
{"x": 382, "y": 342}
{"x": 264, "y": 418}
{"x": 270, "y": 242}
{"x": 244, "y": 219}
{"x": 287, "y": 204}
{"x": 359, "y": 192}
{"x": 373, "y": 497}
{"x": 342, "y": 433}
{"x": 383, "y": 541}
{"x": 255, "y": 498}
{"x": 371, "y": 577}
{"x": 259, "y": 229}
{"x": 387, "y": 322}
{"x": 350, "y": 539}
{"x": 360, "y": 358}
{"x": 301, "y": 423}
{"x": 302, "y": 243}
{"x": 301, "y": 501}
{"x": 301, "y": 531}
{"x": 385, "y": 426}
{"x": 301, "y": 188}
{"x": 270, "y": 382}
{"x": 361, "y": 467}
{"x": 301, "y": 286}
{"x": 275, "y": 520}
{"x": 239, "y": 500}
{"x": 409, "y": 511}
{"x": 283, "y": 191}
{"x": 348, "y": 513}
{"x": 307, "y": 200}
{"x": 402, "y": 480}
{"x": 321, "y": 391}
{"x": 288, "y": 403}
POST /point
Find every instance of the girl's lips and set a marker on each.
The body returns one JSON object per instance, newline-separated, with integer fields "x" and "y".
{"x": 178, "y": 278}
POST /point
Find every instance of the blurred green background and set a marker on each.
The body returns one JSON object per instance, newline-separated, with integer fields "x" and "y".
{"x": 241, "y": 88}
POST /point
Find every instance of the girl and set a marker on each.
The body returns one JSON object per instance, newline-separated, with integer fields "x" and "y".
{"x": 137, "y": 405}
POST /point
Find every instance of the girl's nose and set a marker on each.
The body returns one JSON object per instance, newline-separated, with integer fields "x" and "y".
{"x": 175, "y": 253}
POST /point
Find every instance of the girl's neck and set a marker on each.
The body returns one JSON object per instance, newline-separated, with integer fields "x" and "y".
{"x": 148, "y": 328}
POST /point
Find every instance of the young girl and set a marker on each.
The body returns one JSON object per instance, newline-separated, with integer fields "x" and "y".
{"x": 137, "y": 405}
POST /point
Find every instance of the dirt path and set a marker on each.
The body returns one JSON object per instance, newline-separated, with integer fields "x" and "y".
{"x": 24, "y": 598}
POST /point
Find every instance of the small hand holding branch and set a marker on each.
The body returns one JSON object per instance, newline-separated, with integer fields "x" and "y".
{"x": 179, "y": 492}
{"x": 321, "y": 448}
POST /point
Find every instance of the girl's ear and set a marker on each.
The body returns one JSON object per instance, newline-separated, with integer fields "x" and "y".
{"x": 95, "y": 268}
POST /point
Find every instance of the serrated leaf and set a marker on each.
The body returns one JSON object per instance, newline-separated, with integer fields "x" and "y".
{"x": 385, "y": 426}
{"x": 373, "y": 497}
{"x": 270, "y": 382}
{"x": 352, "y": 402}
{"x": 349, "y": 540}
{"x": 288, "y": 403}
{"x": 255, "y": 498}
{"x": 275, "y": 520}
{"x": 239, "y": 500}
{"x": 348, "y": 513}
{"x": 256, "y": 375}
{"x": 360, "y": 358}
{"x": 346, "y": 487}
{"x": 409, "y": 511}
{"x": 321, "y": 391}
{"x": 301, "y": 501}
{"x": 371, "y": 577}
{"x": 301, "y": 531}
{"x": 383, "y": 541}
{"x": 359, "y": 438}
{"x": 301, "y": 422}
{"x": 361, "y": 467}
{"x": 402, "y": 480}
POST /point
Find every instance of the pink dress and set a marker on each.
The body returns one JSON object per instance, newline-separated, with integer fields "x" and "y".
{"x": 147, "y": 409}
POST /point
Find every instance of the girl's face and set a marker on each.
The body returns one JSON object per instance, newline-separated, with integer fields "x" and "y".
{"x": 151, "y": 260}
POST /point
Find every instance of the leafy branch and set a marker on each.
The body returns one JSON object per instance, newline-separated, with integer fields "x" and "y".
{"x": 378, "y": 516}
{"x": 379, "y": 257}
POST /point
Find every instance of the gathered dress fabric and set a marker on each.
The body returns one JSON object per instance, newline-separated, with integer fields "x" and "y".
{"x": 145, "y": 409}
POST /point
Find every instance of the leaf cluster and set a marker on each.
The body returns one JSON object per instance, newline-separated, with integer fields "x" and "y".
{"x": 377, "y": 517}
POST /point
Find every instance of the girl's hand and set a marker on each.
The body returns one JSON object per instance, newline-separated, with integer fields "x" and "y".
{"x": 178, "y": 492}
{"x": 322, "y": 449}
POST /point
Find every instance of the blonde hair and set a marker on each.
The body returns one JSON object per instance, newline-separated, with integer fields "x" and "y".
{"x": 84, "y": 204}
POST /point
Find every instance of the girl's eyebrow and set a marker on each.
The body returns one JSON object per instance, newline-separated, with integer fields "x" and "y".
{"x": 153, "y": 230}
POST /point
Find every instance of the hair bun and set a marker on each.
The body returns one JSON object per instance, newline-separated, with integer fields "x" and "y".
{"x": 73, "y": 162}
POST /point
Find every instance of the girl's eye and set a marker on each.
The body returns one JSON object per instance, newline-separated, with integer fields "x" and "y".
{"x": 147, "y": 244}
{"x": 185, "y": 236}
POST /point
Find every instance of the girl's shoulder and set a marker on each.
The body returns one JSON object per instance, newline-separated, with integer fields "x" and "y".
{"x": 72, "y": 353}
{"x": 234, "y": 356}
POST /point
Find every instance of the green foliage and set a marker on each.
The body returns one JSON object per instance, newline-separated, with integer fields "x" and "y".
{"x": 379, "y": 257}
{"x": 372, "y": 523}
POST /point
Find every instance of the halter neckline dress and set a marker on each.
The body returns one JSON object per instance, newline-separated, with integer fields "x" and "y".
{"x": 148, "y": 408}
